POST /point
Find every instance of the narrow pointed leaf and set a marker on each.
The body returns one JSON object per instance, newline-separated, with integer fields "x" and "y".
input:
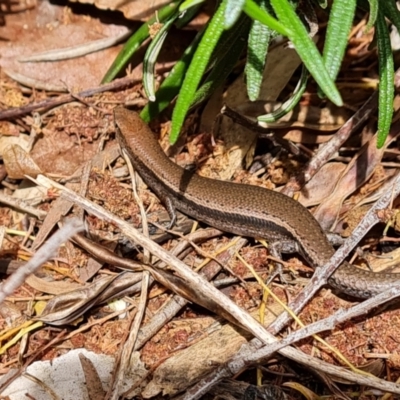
{"x": 259, "y": 39}
{"x": 386, "y": 80}
{"x": 232, "y": 12}
{"x": 258, "y": 14}
{"x": 196, "y": 70}
{"x": 150, "y": 58}
{"x": 306, "y": 49}
{"x": 137, "y": 39}
{"x": 339, "y": 25}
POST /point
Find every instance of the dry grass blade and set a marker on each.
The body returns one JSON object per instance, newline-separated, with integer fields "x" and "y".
{"x": 42, "y": 255}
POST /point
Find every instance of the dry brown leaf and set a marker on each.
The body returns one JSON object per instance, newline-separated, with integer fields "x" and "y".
{"x": 57, "y": 29}
{"x": 188, "y": 365}
{"x": 374, "y": 367}
{"x": 92, "y": 378}
{"x": 67, "y": 307}
{"x": 69, "y": 140}
{"x": 304, "y": 136}
{"x": 9, "y": 129}
{"x": 138, "y": 10}
{"x": 321, "y": 185}
{"x": 19, "y": 163}
{"x": 10, "y": 312}
{"x": 51, "y": 287}
{"x": 358, "y": 172}
{"x": 20, "y": 140}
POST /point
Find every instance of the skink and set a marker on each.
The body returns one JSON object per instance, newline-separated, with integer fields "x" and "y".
{"x": 238, "y": 208}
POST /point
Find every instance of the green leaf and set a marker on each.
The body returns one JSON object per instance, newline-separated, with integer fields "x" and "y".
{"x": 391, "y": 11}
{"x": 258, "y": 14}
{"x": 339, "y": 26}
{"x": 225, "y": 49}
{"x": 196, "y": 70}
{"x": 306, "y": 49}
{"x": 137, "y": 39}
{"x": 187, "y": 14}
{"x": 225, "y": 60}
{"x": 186, "y": 5}
{"x": 373, "y": 14}
{"x": 171, "y": 84}
{"x": 258, "y": 43}
{"x": 232, "y": 12}
{"x": 150, "y": 58}
{"x": 386, "y": 80}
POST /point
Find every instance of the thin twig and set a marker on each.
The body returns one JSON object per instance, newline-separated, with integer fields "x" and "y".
{"x": 248, "y": 356}
{"x": 19, "y": 204}
{"x": 254, "y": 347}
{"x": 72, "y": 227}
{"x": 321, "y": 274}
{"x": 52, "y": 102}
{"x": 224, "y": 302}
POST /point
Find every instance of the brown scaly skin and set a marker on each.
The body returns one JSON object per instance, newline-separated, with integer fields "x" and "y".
{"x": 237, "y": 208}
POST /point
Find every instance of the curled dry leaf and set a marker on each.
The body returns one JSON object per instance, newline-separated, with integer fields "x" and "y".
{"x": 54, "y": 287}
{"x": 321, "y": 185}
{"x": 67, "y": 307}
{"x": 188, "y": 365}
{"x": 357, "y": 173}
{"x": 374, "y": 367}
{"x": 93, "y": 381}
{"x": 19, "y": 163}
{"x": 21, "y": 140}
